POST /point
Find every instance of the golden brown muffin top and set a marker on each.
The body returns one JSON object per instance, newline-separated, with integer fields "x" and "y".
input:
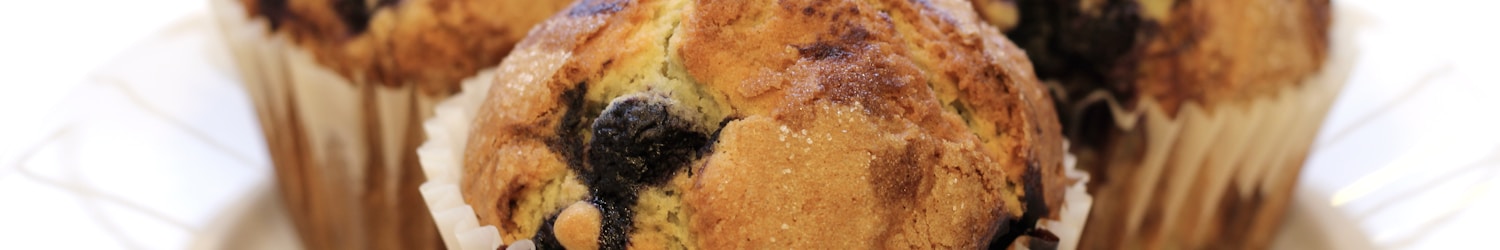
{"x": 431, "y": 43}
{"x": 828, "y": 124}
{"x": 1173, "y": 51}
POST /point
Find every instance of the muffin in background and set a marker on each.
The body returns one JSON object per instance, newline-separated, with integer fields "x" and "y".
{"x": 341, "y": 87}
{"x": 1193, "y": 117}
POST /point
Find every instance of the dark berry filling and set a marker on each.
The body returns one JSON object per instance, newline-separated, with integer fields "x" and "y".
{"x": 637, "y": 142}
{"x": 274, "y": 10}
{"x": 544, "y": 239}
{"x": 569, "y": 141}
{"x": 617, "y": 216}
{"x": 354, "y": 13}
{"x": 595, "y": 7}
{"x": 1083, "y": 48}
{"x": 1036, "y": 207}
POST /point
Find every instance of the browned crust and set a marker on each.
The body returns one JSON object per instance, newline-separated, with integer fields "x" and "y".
{"x": 914, "y": 124}
{"x": 1195, "y": 51}
{"x": 431, "y": 43}
{"x": 507, "y": 153}
{"x": 1224, "y": 51}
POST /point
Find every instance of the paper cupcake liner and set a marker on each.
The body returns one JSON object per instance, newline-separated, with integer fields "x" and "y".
{"x": 1208, "y": 177}
{"x": 442, "y": 160}
{"x": 1077, "y": 202}
{"x": 343, "y": 150}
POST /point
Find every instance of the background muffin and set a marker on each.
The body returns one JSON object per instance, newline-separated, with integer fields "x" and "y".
{"x": 1194, "y": 117}
{"x": 340, "y": 87}
{"x": 751, "y": 124}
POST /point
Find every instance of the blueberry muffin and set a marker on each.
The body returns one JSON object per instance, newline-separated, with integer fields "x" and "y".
{"x": 431, "y": 43}
{"x": 1194, "y": 117}
{"x": 340, "y": 88}
{"x": 682, "y": 124}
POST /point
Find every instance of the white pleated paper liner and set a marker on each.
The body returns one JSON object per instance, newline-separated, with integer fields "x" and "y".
{"x": 1075, "y": 210}
{"x": 339, "y": 146}
{"x": 442, "y": 160}
{"x": 1172, "y": 194}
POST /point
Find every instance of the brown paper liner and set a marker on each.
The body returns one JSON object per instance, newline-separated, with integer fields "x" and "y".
{"x": 1218, "y": 177}
{"x": 343, "y": 151}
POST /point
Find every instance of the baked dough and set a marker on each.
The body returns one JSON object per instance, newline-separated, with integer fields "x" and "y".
{"x": 1173, "y": 51}
{"x": 1192, "y": 117}
{"x": 431, "y": 43}
{"x": 844, "y": 124}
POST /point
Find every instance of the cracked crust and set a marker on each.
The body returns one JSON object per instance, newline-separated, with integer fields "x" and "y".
{"x": 1177, "y": 108}
{"x": 897, "y": 124}
{"x": 1172, "y": 51}
{"x": 431, "y": 43}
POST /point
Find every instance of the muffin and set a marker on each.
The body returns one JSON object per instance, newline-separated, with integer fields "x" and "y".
{"x": 1193, "y": 117}
{"x": 678, "y": 124}
{"x": 340, "y": 88}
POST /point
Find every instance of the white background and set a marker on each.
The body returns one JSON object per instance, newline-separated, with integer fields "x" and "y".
{"x": 122, "y": 127}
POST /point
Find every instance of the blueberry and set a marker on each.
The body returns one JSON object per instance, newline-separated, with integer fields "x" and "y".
{"x": 618, "y": 220}
{"x": 544, "y": 239}
{"x": 277, "y": 11}
{"x": 638, "y": 141}
{"x": 641, "y": 140}
{"x": 1011, "y": 228}
{"x": 354, "y": 13}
